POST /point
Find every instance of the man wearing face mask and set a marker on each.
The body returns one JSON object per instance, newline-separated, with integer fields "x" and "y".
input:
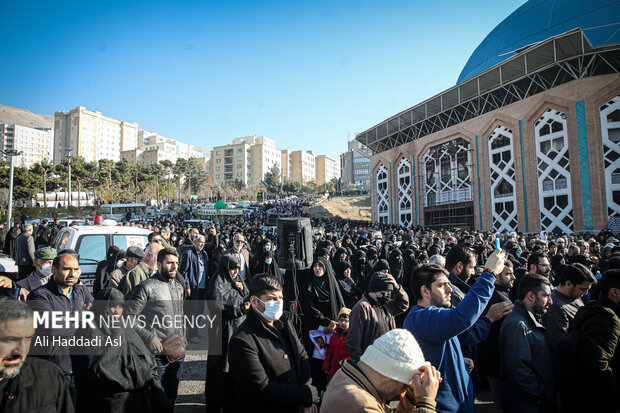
{"x": 267, "y": 361}
{"x": 373, "y": 315}
{"x": 133, "y": 256}
{"x": 43, "y": 259}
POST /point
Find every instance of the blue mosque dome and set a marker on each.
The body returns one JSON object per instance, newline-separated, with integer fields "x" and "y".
{"x": 538, "y": 20}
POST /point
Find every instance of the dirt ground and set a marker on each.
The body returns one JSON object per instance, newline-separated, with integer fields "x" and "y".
{"x": 349, "y": 207}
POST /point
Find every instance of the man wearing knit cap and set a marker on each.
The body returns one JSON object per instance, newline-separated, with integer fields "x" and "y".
{"x": 373, "y": 315}
{"x": 43, "y": 258}
{"x": 392, "y": 367}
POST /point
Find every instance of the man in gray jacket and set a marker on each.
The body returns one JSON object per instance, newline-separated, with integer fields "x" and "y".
{"x": 159, "y": 299}
{"x": 24, "y": 252}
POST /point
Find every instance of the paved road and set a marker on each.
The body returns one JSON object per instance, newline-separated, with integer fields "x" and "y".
{"x": 191, "y": 390}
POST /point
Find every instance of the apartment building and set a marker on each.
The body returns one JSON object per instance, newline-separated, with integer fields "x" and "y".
{"x": 302, "y": 166}
{"x": 86, "y": 133}
{"x": 35, "y": 143}
{"x": 326, "y": 169}
{"x": 248, "y": 158}
{"x": 231, "y": 162}
{"x": 264, "y": 156}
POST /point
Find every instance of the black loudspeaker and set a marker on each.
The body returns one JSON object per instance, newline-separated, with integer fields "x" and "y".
{"x": 294, "y": 243}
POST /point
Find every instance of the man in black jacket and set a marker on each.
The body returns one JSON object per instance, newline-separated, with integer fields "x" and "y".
{"x": 488, "y": 350}
{"x": 61, "y": 293}
{"x": 27, "y": 384}
{"x": 525, "y": 363}
{"x": 267, "y": 361}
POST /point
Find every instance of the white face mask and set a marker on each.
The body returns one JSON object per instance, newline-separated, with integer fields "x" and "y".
{"x": 46, "y": 270}
{"x": 119, "y": 263}
{"x": 273, "y": 309}
{"x": 268, "y": 261}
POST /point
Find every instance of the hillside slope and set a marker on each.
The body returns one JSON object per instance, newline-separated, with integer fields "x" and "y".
{"x": 17, "y": 116}
{"x": 353, "y": 207}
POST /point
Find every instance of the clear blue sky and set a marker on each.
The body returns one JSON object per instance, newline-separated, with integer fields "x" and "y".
{"x": 303, "y": 73}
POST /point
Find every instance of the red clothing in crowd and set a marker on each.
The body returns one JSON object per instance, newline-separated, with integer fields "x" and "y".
{"x": 336, "y": 352}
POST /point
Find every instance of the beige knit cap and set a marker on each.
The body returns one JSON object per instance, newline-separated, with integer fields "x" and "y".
{"x": 396, "y": 355}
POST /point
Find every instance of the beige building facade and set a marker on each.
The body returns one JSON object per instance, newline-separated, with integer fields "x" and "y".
{"x": 285, "y": 164}
{"x": 264, "y": 156}
{"x": 326, "y": 169}
{"x": 302, "y": 166}
{"x": 247, "y": 159}
{"x": 231, "y": 162}
{"x": 81, "y": 132}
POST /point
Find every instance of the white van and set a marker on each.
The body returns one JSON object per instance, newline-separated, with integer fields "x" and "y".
{"x": 92, "y": 243}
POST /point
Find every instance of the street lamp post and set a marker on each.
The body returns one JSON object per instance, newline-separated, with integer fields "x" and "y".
{"x": 69, "y": 177}
{"x": 12, "y": 153}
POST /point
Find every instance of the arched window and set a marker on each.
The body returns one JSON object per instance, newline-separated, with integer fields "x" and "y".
{"x": 448, "y": 173}
{"x": 554, "y": 189}
{"x": 610, "y": 132}
{"x": 383, "y": 196}
{"x": 501, "y": 165}
{"x": 404, "y": 193}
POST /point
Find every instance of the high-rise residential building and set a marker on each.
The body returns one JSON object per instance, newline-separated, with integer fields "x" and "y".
{"x": 302, "y": 166}
{"x": 355, "y": 166}
{"x": 35, "y": 143}
{"x": 326, "y": 169}
{"x": 81, "y": 132}
{"x": 264, "y": 156}
{"x": 231, "y": 162}
{"x": 247, "y": 159}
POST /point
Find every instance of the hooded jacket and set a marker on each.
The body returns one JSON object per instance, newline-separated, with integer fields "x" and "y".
{"x": 337, "y": 351}
{"x": 369, "y": 320}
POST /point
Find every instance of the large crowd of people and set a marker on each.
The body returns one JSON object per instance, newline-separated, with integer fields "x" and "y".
{"x": 385, "y": 317}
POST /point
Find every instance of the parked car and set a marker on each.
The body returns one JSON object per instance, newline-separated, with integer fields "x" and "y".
{"x": 92, "y": 243}
{"x": 7, "y": 266}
